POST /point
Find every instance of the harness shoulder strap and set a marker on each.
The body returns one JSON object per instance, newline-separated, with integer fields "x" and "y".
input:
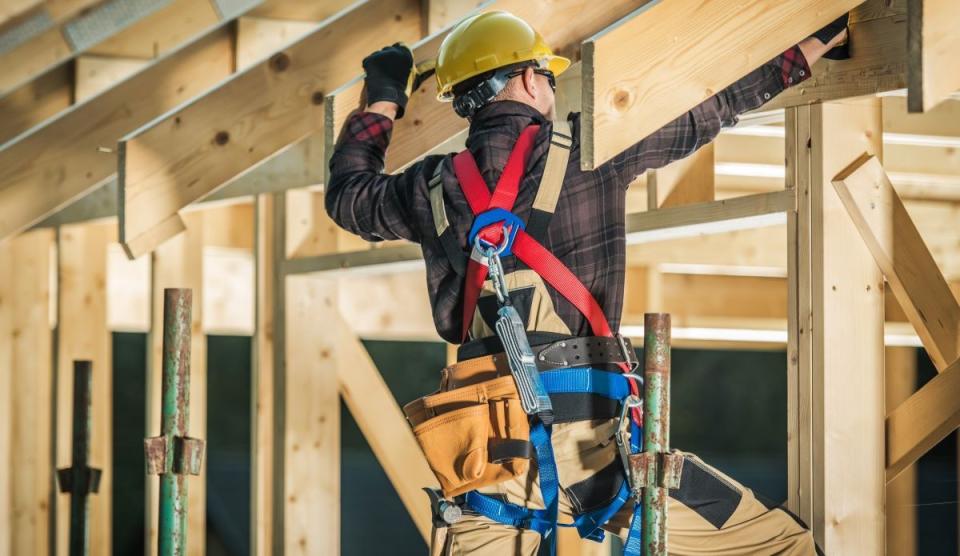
{"x": 448, "y": 240}
{"x": 545, "y": 203}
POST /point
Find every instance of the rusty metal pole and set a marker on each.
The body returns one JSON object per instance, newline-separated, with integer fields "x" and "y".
{"x": 656, "y": 430}
{"x": 80, "y": 480}
{"x": 173, "y": 455}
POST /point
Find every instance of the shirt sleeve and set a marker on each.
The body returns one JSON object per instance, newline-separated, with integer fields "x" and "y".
{"x": 681, "y": 137}
{"x": 358, "y": 196}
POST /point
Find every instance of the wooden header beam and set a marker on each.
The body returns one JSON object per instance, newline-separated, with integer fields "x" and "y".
{"x": 429, "y": 122}
{"x": 189, "y": 153}
{"x": 904, "y": 258}
{"x": 634, "y": 82}
{"x": 933, "y": 70}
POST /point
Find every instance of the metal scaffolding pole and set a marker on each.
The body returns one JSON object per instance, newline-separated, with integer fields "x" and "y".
{"x": 80, "y": 480}
{"x": 173, "y": 455}
{"x": 662, "y": 469}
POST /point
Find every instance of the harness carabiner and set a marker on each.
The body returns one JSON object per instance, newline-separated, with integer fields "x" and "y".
{"x": 623, "y": 435}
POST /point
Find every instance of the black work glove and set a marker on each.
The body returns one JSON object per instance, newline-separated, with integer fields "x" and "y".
{"x": 830, "y": 32}
{"x": 390, "y": 75}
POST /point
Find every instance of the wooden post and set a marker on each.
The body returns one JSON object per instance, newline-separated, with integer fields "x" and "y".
{"x": 26, "y": 355}
{"x": 179, "y": 264}
{"x": 82, "y": 335}
{"x": 840, "y": 336}
{"x": 901, "y": 381}
{"x": 261, "y": 489}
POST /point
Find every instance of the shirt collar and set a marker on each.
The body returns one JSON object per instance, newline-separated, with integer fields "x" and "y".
{"x": 507, "y": 117}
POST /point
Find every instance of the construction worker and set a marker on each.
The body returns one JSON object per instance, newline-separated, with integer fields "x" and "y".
{"x": 551, "y": 238}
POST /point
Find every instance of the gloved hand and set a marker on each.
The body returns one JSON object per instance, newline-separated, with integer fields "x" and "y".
{"x": 830, "y": 32}
{"x": 390, "y": 75}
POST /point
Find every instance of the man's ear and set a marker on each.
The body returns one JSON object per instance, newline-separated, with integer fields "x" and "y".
{"x": 529, "y": 81}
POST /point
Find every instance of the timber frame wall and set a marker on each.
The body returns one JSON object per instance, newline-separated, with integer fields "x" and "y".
{"x": 240, "y": 111}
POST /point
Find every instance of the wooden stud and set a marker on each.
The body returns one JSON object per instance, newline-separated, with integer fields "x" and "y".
{"x": 262, "y": 497}
{"x": 429, "y": 122}
{"x": 61, "y": 161}
{"x": 902, "y": 255}
{"x": 82, "y": 334}
{"x": 631, "y": 78}
{"x": 923, "y": 420}
{"x": 179, "y": 265}
{"x": 932, "y": 71}
{"x": 841, "y": 337}
{"x": 243, "y": 121}
{"x": 901, "y": 381}
{"x": 311, "y": 472}
{"x": 26, "y": 299}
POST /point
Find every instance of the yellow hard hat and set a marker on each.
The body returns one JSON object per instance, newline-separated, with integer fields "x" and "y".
{"x": 489, "y": 41}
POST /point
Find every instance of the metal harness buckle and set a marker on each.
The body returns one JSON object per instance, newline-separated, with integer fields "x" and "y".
{"x": 623, "y": 435}
{"x": 629, "y": 356}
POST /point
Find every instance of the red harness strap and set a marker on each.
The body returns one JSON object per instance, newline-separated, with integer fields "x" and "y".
{"x": 526, "y": 248}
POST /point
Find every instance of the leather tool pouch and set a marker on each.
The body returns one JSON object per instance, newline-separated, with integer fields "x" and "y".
{"x": 473, "y": 436}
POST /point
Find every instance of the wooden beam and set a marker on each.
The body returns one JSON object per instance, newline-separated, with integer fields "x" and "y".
{"x": 245, "y": 120}
{"x": 902, "y": 255}
{"x": 633, "y": 84}
{"x": 35, "y": 101}
{"x": 12, "y": 9}
{"x": 684, "y": 182}
{"x": 26, "y": 303}
{"x": 95, "y": 74}
{"x": 258, "y": 37}
{"x": 921, "y": 422}
{"x": 82, "y": 334}
{"x": 168, "y": 28}
{"x": 841, "y": 338}
{"x": 311, "y": 522}
{"x": 878, "y": 30}
{"x": 932, "y": 72}
{"x": 61, "y": 161}
{"x": 179, "y": 265}
{"x": 262, "y": 494}
{"x": 383, "y": 424}
{"x": 900, "y": 371}
{"x": 428, "y": 122}
{"x": 444, "y": 13}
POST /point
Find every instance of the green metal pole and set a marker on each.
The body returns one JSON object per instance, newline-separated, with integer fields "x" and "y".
{"x": 78, "y": 479}
{"x": 656, "y": 429}
{"x": 174, "y": 419}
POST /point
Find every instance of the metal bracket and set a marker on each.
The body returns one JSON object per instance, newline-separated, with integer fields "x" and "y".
{"x": 89, "y": 480}
{"x": 663, "y": 470}
{"x": 187, "y": 455}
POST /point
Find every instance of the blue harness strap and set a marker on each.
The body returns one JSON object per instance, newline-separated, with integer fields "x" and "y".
{"x": 567, "y": 381}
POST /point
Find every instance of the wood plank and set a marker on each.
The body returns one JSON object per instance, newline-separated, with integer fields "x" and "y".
{"x": 60, "y": 161}
{"x": 11, "y": 9}
{"x": 245, "y": 120}
{"x": 383, "y": 424}
{"x": 258, "y": 37}
{"x": 878, "y": 30}
{"x": 297, "y": 10}
{"x": 82, "y": 334}
{"x": 904, "y": 258}
{"x": 933, "y": 72}
{"x": 31, "y": 58}
{"x": 311, "y": 494}
{"x": 684, "y": 182}
{"x": 844, "y": 301}
{"x": 900, "y": 371}
{"x": 161, "y": 32}
{"x": 429, "y": 122}
{"x": 129, "y": 303}
{"x": 26, "y": 343}
{"x": 179, "y": 265}
{"x": 921, "y": 422}
{"x": 444, "y": 13}
{"x": 262, "y": 496}
{"x": 34, "y": 102}
{"x": 95, "y": 74}
{"x": 630, "y": 78}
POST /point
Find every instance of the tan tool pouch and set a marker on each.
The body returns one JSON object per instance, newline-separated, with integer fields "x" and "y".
{"x": 473, "y": 436}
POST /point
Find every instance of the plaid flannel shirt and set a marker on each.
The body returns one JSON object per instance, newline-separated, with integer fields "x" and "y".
{"x": 587, "y": 231}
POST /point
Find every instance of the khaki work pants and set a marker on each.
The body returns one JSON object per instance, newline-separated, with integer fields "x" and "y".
{"x": 709, "y": 514}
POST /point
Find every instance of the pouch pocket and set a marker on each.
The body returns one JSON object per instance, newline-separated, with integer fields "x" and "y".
{"x": 476, "y": 446}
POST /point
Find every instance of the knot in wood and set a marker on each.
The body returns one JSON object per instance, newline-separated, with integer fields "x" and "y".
{"x": 317, "y": 97}
{"x": 221, "y": 138}
{"x": 280, "y": 61}
{"x": 622, "y": 100}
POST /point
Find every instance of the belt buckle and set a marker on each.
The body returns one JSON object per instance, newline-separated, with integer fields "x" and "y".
{"x": 629, "y": 356}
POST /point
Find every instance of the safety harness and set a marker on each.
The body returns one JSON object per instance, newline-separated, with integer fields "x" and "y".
{"x": 496, "y": 229}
